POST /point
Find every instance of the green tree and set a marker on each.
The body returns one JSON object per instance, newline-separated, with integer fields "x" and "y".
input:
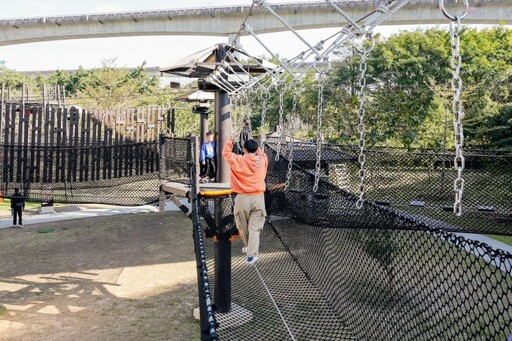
{"x": 15, "y": 80}
{"x": 113, "y": 88}
{"x": 409, "y": 89}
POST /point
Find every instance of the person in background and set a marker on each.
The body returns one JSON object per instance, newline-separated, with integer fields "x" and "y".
{"x": 17, "y": 207}
{"x": 207, "y": 158}
{"x": 245, "y": 134}
{"x": 248, "y": 172}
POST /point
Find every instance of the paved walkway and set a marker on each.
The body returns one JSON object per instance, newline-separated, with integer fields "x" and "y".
{"x": 70, "y": 212}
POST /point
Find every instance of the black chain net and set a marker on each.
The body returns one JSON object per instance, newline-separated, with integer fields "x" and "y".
{"x": 126, "y": 174}
{"x": 367, "y": 284}
{"x": 404, "y": 189}
{"x": 387, "y": 271}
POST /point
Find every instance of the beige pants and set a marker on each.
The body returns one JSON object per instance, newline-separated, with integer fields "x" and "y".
{"x": 249, "y": 218}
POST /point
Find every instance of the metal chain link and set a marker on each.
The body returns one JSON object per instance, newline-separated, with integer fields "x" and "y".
{"x": 234, "y": 106}
{"x": 458, "y": 114}
{"x": 319, "y": 111}
{"x": 292, "y": 132}
{"x": 280, "y": 127}
{"x": 265, "y": 97}
{"x": 361, "y": 96}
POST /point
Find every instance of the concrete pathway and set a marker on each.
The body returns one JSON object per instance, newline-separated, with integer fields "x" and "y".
{"x": 70, "y": 212}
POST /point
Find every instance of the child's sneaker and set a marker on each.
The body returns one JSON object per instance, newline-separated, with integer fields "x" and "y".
{"x": 15, "y": 225}
{"x": 244, "y": 250}
{"x": 20, "y": 225}
{"x": 251, "y": 260}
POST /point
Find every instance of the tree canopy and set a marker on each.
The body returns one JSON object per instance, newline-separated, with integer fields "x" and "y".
{"x": 409, "y": 92}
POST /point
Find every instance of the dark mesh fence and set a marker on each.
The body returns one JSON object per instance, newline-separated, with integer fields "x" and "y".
{"x": 176, "y": 159}
{"x": 125, "y": 174}
{"x": 412, "y": 189}
{"x": 389, "y": 271}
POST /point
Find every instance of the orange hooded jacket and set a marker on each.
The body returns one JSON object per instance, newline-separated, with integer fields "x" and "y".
{"x": 246, "y": 178}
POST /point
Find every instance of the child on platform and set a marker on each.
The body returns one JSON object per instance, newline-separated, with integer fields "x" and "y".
{"x": 207, "y": 159}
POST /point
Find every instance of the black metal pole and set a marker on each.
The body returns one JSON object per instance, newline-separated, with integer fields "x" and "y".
{"x": 171, "y": 121}
{"x": 204, "y": 126}
{"x": 222, "y": 259}
{"x": 222, "y": 244}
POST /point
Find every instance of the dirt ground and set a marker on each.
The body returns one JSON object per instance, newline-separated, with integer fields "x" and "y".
{"x": 123, "y": 277}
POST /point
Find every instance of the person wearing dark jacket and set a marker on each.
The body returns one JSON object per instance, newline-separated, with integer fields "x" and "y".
{"x": 17, "y": 207}
{"x": 245, "y": 135}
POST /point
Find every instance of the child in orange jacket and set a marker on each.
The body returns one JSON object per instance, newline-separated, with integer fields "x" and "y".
{"x": 248, "y": 172}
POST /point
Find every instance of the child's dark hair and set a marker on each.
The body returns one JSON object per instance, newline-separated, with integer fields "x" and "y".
{"x": 251, "y": 146}
{"x": 209, "y": 133}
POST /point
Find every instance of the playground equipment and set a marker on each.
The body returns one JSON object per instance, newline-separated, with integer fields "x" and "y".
{"x": 358, "y": 262}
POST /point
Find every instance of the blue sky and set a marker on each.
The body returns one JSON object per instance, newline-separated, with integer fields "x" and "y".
{"x": 129, "y": 51}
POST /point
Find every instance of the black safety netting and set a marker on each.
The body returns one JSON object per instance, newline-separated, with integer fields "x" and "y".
{"x": 176, "y": 159}
{"x": 385, "y": 272}
{"x": 403, "y": 189}
{"x": 367, "y": 284}
{"x": 126, "y": 174}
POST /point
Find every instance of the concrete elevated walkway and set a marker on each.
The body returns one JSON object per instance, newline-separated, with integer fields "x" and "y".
{"x": 223, "y": 21}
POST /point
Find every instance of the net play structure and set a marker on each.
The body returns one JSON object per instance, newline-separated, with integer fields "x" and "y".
{"x": 360, "y": 243}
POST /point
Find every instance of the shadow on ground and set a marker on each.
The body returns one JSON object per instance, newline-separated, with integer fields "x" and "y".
{"x": 128, "y": 277}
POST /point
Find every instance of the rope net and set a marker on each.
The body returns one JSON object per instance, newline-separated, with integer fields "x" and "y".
{"x": 382, "y": 272}
{"x": 405, "y": 189}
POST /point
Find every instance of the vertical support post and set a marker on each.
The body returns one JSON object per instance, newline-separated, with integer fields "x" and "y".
{"x": 222, "y": 259}
{"x": 222, "y": 244}
{"x": 195, "y": 158}
{"x": 203, "y": 126}
{"x": 161, "y": 173}
{"x": 222, "y": 123}
{"x": 173, "y": 121}
{"x": 2, "y": 110}
{"x": 223, "y": 128}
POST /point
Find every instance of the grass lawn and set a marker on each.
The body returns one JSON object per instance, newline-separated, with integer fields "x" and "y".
{"x": 504, "y": 239}
{"x": 123, "y": 277}
{"x": 6, "y": 205}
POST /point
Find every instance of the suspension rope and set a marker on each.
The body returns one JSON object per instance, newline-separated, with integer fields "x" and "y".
{"x": 275, "y": 303}
{"x": 344, "y": 15}
{"x": 266, "y": 5}
{"x": 225, "y": 65}
{"x": 213, "y": 80}
{"x": 387, "y": 11}
{"x": 254, "y": 80}
{"x": 361, "y": 113}
{"x": 248, "y": 29}
{"x": 217, "y": 74}
{"x": 458, "y": 113}
{"x": 369, "y": 21}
